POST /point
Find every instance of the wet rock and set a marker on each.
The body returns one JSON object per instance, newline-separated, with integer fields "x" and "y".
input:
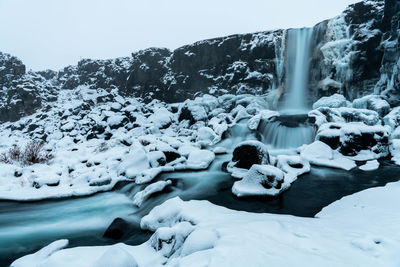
{"x": 248, "y": 153}
{"x": 118, "y": 228}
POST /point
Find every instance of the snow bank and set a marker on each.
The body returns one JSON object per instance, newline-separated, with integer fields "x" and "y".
{"x": 199, "y": 233}
{"x": 370, "y": 165}
{"x": 319, "y": 153}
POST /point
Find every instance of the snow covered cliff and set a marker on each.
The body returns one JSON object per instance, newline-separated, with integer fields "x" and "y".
{"x": 354, "y": 54}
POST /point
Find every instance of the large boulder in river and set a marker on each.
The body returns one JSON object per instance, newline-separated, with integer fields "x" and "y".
{"x": 260, "y": 180}
{"x": 248, "y": 153}
{"x": 117, "y": 229}
{"x": 351, "y": 138}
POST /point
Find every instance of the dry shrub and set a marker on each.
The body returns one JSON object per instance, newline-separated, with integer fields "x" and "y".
{"x": 33, "y": 153}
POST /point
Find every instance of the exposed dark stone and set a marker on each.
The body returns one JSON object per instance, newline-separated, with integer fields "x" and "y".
{"x": 171, "y": 156}
{"x": 117, "y": 229}
{"x": 100, "y": 183}
{"x": 249, "y": 153}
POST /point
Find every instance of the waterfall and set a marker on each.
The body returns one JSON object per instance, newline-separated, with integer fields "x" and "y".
{"x": 298, "y": 57}
{"x": 287, "y": 132}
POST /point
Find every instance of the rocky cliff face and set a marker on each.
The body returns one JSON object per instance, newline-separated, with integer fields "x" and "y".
{"x": 355, "y": 53}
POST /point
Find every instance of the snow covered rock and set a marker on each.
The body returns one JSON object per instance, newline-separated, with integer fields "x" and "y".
{"x": 373, "y": 102}
{"x": 260, "y": 180}
{"x": 333, "y": 101}
{"x": 200, "y": 159}
{"x": 134, "y": 163}
{"x": 143, "y": 195}
{"x": 169, "y": 240}
{"x": 293, "y": 164}
{"x": 248, "y": 153}
{"x": 161, "y": 117}
{"x": 206, "y": 136}
{"x": 192, "y": 112}
{"x": 263, "y": 115}
{"x": 352, "y": 138}
{"x": 393, "y": 118}
{"x": 344, "y": 114}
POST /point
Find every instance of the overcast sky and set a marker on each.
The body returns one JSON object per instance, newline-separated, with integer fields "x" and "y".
{"x": 55, "y": 33}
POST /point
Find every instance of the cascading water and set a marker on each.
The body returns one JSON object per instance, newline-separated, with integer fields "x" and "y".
{"x": 290, "y": 130}
{"x": 298, "y": 55}
{"x": 287, "y": 132}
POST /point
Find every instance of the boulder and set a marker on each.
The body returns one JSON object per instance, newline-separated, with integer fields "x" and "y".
{"x": 260, "y": 180}
{"x": 117, "y": 229}
{"x": 333, "y": 101}
{"x": 351, "y": 138}
{"x": 248, "y": 153}
{"x": 373, "y": 102}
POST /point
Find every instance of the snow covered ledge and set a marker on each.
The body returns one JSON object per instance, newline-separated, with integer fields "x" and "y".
{"x": 198, "y": 233}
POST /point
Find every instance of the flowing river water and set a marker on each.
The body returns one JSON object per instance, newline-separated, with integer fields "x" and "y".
{"x": 26, "y": 227}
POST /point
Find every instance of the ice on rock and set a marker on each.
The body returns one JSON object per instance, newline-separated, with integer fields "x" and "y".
{"x": 393, "y": 118}
{"x": 260, "y": 180}
{"x": 116, "y": 256}
{"x": 264, "y": 115}
{"x": 328, "y": 83}
{"x": 200, "y": 159}
{"x": 373, "y": 102}
{"x": 143, "y": 195}
{"x": 333, "y": 101}
{"x": 319, "y": 153}
{"x": 344, "y": 114}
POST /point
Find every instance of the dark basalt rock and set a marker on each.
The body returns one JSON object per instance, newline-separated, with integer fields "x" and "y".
{"x": 351, "y": 142}
{"x": 249, "y": 153}
{"x": 354, "y": 143}
{"x": 171, "y": 156}
{"x": 118, "y": 228}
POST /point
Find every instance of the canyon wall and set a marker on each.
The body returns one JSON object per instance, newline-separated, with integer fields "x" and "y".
{"x": 355, "y": 54}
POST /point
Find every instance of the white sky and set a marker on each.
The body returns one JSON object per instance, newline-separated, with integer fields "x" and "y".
{"x": 56, "y": 33}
